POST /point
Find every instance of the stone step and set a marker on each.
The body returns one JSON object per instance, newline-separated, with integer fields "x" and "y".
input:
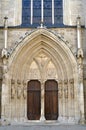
{"x": 44, "y": 127}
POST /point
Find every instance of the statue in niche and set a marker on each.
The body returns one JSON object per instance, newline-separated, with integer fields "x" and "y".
{"x": 60, "y": 93}
{"x": 66, "y": 89}
{"x": 19, "y": 89}
{"x": 66, "y": 93}
{"x": 80, "y": 67}
{"x": 13, "y": 90}
{"x": 60, "y": 90}
{"x": 71, "y": 88}
{"x": 19, "y": 92}
{"x": 72, "y": 92}
{"x": 24, "y": 90}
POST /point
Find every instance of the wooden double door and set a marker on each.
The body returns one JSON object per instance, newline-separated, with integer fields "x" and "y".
{"x": 50, "y": 100}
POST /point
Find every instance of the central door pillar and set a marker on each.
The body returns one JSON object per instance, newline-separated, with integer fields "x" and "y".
{"x": 42, "y": 118}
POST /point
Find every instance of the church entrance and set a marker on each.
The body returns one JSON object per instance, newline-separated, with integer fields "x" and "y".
{"x": 50, "y": 100}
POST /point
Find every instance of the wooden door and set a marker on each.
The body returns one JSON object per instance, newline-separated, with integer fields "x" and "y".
{"x": 51, "y": 100}
{"x": 33, "y": 100}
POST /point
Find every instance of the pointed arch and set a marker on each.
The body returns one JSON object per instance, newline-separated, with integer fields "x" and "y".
{"x": 46, "y": 46}
{"x": 49, "y": 43}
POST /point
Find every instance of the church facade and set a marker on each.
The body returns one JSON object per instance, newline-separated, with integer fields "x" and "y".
{"x": 43, "y": 61}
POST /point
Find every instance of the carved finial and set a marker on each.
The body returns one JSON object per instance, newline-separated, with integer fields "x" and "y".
{"x": 78, "y": 21}
{"x": 41, "y": 25}
{"x": 5, "y": 22}
{"x": 80, "y": 53}
{"x": 5, "y": 53}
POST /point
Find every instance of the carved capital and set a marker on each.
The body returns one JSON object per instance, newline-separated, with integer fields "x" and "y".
{"x": 60, "y": 82}
{"x": 24, "y": 83}
{"x": 18, "y": 81}
{"x": 71, "y": 81}
{"x": 80, "y": 53}
{"x": 12, "y": 81}
{"x": 65, "y": 81}
{"x": 13, "y": 91}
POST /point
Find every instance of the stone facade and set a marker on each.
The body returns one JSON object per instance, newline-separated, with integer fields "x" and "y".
{"x": 41, "y": 54}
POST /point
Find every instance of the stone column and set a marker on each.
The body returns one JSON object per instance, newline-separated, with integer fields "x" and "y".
{"x": 19, "y": 99}
{"x": 5, "y": 90}
{"x": 80, "y": 72}
{"x": 25, "y": 99}
{"x": 71, "y": 100}
{"x": 60, "y": 100}
{"x": 66, "y": 98}
{"x": 42, "y": 118}
{"x": 81, "y": 87}
{"x": 13, "y": 98}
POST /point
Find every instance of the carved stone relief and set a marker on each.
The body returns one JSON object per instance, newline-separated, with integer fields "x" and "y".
{"x": 24, "y": 90}
{"x": 41, "y": 59}
{"x": 34, "y": 72}
{"x": 51, "y": 71}
{"x": 71, "y": 82}
{"x": 42, "y": 67}
{"x": 13, "y": 89}
{"x": 19, "y": 89}
{"x": 60, "y": 89}
{"x": 66, "y": 88}
{"x": 80, "y": 66}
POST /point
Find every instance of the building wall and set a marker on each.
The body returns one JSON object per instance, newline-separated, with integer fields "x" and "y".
{"x": 71, "y": 9}
{"x": 12, "y": 10}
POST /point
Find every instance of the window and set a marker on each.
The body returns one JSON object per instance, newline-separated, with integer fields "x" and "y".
{"x": 50, "y": 12}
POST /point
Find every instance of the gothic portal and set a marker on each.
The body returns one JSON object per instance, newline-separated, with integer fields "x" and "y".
{"x": 42, "y": 61}
{"x": 42, "y": 80}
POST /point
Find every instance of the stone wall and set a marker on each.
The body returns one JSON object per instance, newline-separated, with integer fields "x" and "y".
{"x": 73, "y": 9}
{"x": 12, "y": 10}
{"x": 0, "y": 82}
{"x": 15, "y": 35}
{"x": 84, "y": 8}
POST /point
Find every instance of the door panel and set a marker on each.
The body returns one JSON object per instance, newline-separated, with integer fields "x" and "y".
{"x": 51, "y": 100}
{"x": 33, "y": 100}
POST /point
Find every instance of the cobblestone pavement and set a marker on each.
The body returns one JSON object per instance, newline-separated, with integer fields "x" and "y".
{"x": 44, "y": 127}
